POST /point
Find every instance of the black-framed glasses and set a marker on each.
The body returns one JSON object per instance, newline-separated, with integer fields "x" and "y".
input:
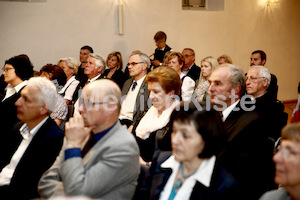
{"x": 251, "y": 79}
{"x": 7, "y": 69}
{"x": 134, "y": 63}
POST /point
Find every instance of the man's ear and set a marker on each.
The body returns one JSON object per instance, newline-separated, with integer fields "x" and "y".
{"x": 263, "y": 62}
{"x": 44, "y": 110}
{"x": 99, "y": 69}
{"x": 145, "y": 67}
{"x": 238, "y": 90}
{"x": 265, "y": 82}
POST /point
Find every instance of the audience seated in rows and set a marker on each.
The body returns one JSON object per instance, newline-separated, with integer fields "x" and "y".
{"x": 33, "y": 144}
{"x": 208, "y": 65}
{"x": 100, "y": 158}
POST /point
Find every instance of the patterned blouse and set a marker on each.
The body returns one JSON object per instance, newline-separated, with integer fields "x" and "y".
{"x": 201, "y": 88}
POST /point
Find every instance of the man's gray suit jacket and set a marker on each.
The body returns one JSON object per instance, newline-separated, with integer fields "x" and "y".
{"x": 108, "y": 171}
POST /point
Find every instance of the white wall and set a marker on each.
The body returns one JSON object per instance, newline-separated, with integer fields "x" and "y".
{"x": 58, "y": 28}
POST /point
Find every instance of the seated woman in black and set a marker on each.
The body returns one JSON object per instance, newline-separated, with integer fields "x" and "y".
{"x": 192, "y": 171}
{"x": 115, "y": 63}
{"x": 151, "y": 130}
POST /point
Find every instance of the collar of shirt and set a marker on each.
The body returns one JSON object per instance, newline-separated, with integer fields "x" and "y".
{"x": 98, "y": 136}
{"x": 139, "y": 83}
{"x": 186, "y": 71}
{"x": 26, "y": 133}
{"x": 21, "y": 85}
{"x": 204, "y": 171}
{"x": 227, "y": 111}
{"x": 95, "y": 78}
{"x": 162, "y": 48}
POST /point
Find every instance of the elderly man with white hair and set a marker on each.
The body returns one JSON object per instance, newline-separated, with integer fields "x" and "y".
{"x": 270, "y": 109}
{"x": 33, "y": 144}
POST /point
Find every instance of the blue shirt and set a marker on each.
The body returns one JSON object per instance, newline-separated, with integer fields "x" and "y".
{"x": 76, "y": 152}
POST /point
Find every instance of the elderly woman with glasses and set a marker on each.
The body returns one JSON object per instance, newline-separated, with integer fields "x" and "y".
{"x": 287, "y": 161}
{"x": 191, "y": 170}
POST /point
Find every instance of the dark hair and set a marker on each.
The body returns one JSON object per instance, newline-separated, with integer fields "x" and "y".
{"x": 88, "y": 48}
{"x": 160, "y": 36}
{"x": 56, "y": 72}
{"x": 23, "y": 66}
{"x": 208, "y": 124}
{"x": 262, "y": 54}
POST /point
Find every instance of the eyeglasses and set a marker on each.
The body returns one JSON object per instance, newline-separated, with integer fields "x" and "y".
{"x": 134, "y": 63}
{"x": 6, "y": 69}
{"x": 253, "y": 79}
{"x": 88, "y": 105}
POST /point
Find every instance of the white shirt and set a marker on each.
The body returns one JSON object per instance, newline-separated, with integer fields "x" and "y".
{"x": 69, "y": 88}
{"x": 187, "y": 87}
{"x": 10, "y": 90}
{"x": 76, "y": 105}
{"x": 7, "y": 172}
{"x": 228, "y": 110}
{"x": 203, "y": 175}
{"x": 128, "y": 104}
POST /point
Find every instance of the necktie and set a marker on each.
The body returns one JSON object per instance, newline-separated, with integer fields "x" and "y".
{"x": 90, "y": 143}
{"x": 133, "y": 86}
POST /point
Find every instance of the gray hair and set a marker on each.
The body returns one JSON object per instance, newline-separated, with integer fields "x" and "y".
{"x": 237, "y": 76}
{"x": 100, "y": 61}
{"x": 263, "y": 72}
{"x": 143, "y": 57}
{"x": 71, "y": 63}
{"x": 47, "y": 93}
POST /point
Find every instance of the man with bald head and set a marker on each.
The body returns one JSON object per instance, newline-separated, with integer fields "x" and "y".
{"x": 97, "y": 150}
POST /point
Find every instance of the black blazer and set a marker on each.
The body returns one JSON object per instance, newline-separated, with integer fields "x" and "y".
{"x": 118, "y": 77}
{"x": 194, "y": 72}
{"x": 143, "y": 96}
{"x": 38, "y": 157}
{"x": 223, "y": 186}
{"x": 8, "y": 113}
{"x": 248, "y": 153}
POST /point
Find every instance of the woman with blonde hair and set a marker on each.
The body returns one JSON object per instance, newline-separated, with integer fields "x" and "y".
{"x": 115, "y": 63}
{"x": 208, "y": 65}
{"x": 70, "y": 67}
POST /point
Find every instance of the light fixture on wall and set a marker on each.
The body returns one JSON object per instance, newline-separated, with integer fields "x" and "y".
{"x": 120, "y": 19}
{"x": 270, "y": 2}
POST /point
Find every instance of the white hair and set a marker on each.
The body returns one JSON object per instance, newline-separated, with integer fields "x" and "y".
{"x": 47, "y": 90}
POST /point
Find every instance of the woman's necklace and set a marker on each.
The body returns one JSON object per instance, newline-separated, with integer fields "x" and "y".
{"x": 178, "y": 183}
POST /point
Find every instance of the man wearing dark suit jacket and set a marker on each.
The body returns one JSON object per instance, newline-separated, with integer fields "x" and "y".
{"x": 107, "y": 165}
{"x": 31, "y": 147}
{"x": 135, "y": 90}
{"x": 248, "y": 153}
{"x": 190, "y": 68}
{"x": 266, "y": 105}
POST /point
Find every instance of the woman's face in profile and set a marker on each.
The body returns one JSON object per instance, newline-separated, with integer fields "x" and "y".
{"x": 112, "y": 62}
{"x": 186, "y": 142}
